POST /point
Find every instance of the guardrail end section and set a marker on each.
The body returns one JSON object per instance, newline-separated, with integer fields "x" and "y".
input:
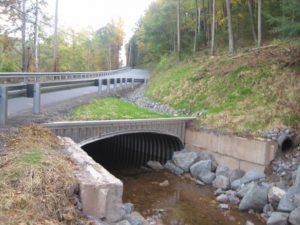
{"x": 3, "y": 105}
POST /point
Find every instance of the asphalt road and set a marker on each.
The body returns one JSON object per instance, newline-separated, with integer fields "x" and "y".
{"x": 20, "y": 105}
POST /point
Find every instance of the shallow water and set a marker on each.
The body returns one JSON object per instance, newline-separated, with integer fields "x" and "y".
{"x": 182, "y": 202}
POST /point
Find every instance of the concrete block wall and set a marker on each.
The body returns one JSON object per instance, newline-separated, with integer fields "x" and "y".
{"x": 100, "y": 192}
{"x": 230, "y": 150}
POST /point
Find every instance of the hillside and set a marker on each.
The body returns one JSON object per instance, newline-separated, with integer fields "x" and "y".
{"x": 251, "y": 92}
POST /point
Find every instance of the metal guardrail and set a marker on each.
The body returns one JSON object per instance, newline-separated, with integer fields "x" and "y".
{"x": 34, "y": 90}
{"x": 46, "y": 76}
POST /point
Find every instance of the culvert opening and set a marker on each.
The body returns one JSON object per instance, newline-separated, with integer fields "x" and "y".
{"x": 133, "y": 150}
{"x": 285, "y": 143}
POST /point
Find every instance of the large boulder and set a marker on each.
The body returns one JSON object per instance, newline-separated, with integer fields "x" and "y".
{"x": 287, "y": 203}
{"x": 222, "y": 170}
{"x": 274, "y": 196}
{"x": 200, "y": 168}
{"x": 184, "y": 160}
{"x": 244, "y": 189}
{"x": 278, "y": 218}
{"x": 221, "y": 181}
{"x": 252, "y": 175}
{"x": 207, "y": 156}
{"x": 236, "y": 174}
{"x": 256, "y": 198}
{"x": 294, "y": 218}
{"x": 173, "y": 168}
{"x": 208, "y": 178}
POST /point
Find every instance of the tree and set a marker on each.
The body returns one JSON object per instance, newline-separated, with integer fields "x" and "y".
{"x": 213, "y": 27}
{"x": 229, "y": 26}
{"x": 178, "y": 30}
{"x": 251, "y": 20}
{"x": 259, "y": 23}
{"x": 55, "y": 46}
{"x": 197, "y": 25}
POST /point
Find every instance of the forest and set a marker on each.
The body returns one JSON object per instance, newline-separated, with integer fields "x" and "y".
{"x": 31, "y": 41}
{"x": 183, "y": 28}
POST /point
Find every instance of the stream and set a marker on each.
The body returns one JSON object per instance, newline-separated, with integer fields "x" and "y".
{"x": 182, "y": 202}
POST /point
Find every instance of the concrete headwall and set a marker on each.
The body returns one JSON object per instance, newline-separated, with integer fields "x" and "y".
{"x": 230, "y": 150}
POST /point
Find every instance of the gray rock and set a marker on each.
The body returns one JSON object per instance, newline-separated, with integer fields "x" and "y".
{"x": 268, "y": 210}
{"x": 294, "y": 218}
{"x": 222, "y": 170}
{"x": 297, "y": 179}
{"x": 274, "y": 196}
{"x": 232, "y": 197}
{"x": 208, "y": 178}
{"x": 252, "y": 175}
{"x": 236, "y": 174}
{"x": 207, "y": 156}
{"x": 249, "y": 223}
{"x": 244, "y": 189}
{"x": 155, "y": 165}
{"x": 256, "y": 198}
{"x": 219, "y": 191}
{"x": 286, "y": 203}
{"x": 164, "y": 183}
{"x": 278, "y": 218}
{"x": 235, "y": 185}
{"x": 297, "y": 199}
{"x": 184, "y": 160}
{"x": 173, "y": 168}
{"x": 222, "y": 198}
{"x": 128, "y": 207}
{"x": 221, "y": 181}
{"x": 135, "y": 219}
{"x": 123, "y": 222}
{"x": 201, "y": 168}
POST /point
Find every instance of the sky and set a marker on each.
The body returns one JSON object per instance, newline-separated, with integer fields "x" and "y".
{"x": 94, "y": 14}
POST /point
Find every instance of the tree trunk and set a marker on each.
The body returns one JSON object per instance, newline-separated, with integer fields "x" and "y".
{"x": 36, "y": 59}
{"x": 55, "y": 48}
{"x": 196, "y": 25}
{"x": 229, "y": 26}
{"x": 178, "y": 28}
{"x": 24, "y": 36}
{"x": 204, "y": 21}
{"x": 251, "y": 20}
{"x": 259, "y": 24}
{"x": 213, "y": 27}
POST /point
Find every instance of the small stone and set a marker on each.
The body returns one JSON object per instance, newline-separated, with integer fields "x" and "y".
{"x": 219, "y": 191}
{"x": 249, "y": 223}
{"x": 155, "y": 165}
{"x": 278, "y": 218}
{"x": 123, "y": 222}
{"x": 268, "y": 210}
{"x": 164, "y": 183}
{"x": 222, "y": 198}
{"x": 221, "y": 181}
{"x": 128, "y": 207}
{"x": 200, "y": 183}
{"x": 274, "y": 196}
{"x": 223, "y": 206}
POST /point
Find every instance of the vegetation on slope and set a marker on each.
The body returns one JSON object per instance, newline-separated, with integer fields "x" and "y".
{"x": 34, "y": 177}
{"x": 111, "y": 109}
{"x": 252, "y": 92}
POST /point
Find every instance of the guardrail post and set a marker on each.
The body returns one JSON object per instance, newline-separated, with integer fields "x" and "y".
{"x": 132, "y": 83}
{"x": 99, "y": 86}
{"x": 126, "y": 83}
{"x": 3, "y": 105}
{"x": 115, "y": 84}
{"x": 36, "y": 98}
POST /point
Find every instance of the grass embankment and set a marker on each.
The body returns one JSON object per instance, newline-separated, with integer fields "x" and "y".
{"x": 34, "y": 178}
{"x": 113, "y": 109}
{"x": 253, "y": 92}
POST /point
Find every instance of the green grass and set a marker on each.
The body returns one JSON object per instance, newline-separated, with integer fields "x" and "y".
{"x": 237, "y": 96}
{"x": 113, "y": 109}
{"x": 33, "y": 157}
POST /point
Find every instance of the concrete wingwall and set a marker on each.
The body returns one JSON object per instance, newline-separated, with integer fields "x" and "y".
{"x": 231, "y": 150}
